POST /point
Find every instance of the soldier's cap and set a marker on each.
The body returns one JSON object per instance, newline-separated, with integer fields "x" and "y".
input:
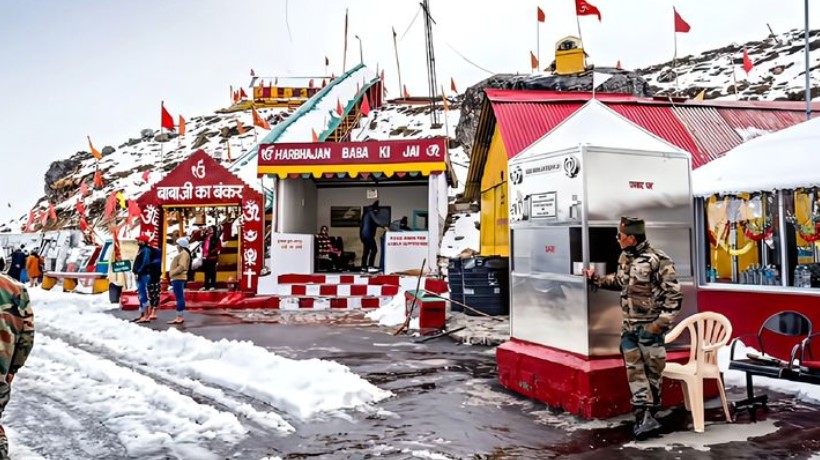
{"x": 632, "y": 226}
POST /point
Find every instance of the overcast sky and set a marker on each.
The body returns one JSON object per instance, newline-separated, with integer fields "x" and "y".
{"x": 101, "y": 67}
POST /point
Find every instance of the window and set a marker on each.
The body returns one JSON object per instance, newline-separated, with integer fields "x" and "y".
{"x": 744, "y": 241}
{"x": 803, "y": 236}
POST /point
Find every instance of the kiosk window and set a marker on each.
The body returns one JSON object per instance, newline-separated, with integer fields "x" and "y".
{"x": 802, "y": 237}
{"x": 744, "y": 246}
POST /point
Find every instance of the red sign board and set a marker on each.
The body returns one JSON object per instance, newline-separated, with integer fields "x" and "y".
{"x": 371, "y": 152}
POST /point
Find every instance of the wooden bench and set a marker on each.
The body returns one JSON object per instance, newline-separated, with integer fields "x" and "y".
{"x": 96, "y": 282}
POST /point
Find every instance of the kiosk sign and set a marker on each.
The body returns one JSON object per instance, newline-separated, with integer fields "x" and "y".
{"x": 543, "y": 205}
{"x": 322, "y": 153}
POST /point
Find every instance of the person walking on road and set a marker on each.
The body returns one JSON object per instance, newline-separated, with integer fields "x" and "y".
{"x": 18, "y": 263}
{"x": 33, "y": 269}
{"x": 650, "y": 300}
{"x": 16, "y": 340}
{"x": 179, "y": 276}
{"x": 142, "y": 270}
{"x": 371, "y": 221}
{"x": 211, "y": 247}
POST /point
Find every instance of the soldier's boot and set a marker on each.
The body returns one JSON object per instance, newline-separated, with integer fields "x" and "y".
{"x": 646, "y": 426}
{"x": 4, "y": 446}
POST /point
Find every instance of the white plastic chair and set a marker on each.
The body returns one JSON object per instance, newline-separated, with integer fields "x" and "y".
{"x": 708, "y": 332}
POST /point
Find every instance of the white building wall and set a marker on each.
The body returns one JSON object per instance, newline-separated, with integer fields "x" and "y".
{"x": 297, "y": 201}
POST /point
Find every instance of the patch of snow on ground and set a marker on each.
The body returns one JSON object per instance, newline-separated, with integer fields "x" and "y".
{"x": 462, "y": 235}
{"x": 391, "y": 314}
{"x": 718, "y": 433}
{"x": 302, "y": 388}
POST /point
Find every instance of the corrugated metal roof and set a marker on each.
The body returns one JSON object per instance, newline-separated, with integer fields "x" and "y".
{"x": 662, "y": 122}
{"x": 768, "y": 120}
{"x": 521, "y": 124}
{"x": 709, "y": 130}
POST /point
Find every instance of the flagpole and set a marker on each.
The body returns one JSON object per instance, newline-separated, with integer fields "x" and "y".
{"x": 675, "y": 61}
{"x": 578, "y": 21}
{"x": 538, "y": 40}
{"x": 161, "y": 153}
{"x": 344, "y": 58}
{"x": 734, "y": 77}
{"x": 398, "y": 67}
{"x": 446, "y": 124}
{"x": 808, "y": 76}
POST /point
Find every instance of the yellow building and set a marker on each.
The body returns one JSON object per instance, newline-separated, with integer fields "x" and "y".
{"x": 570, "y": 57}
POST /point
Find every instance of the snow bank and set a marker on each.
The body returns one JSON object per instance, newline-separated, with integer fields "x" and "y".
{"x": 462, "y": 235}
{"x": 302, "y": 388}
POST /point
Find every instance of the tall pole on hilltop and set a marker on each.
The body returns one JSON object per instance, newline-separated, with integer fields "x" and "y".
{"x": 398, "y": 67}
{"x": 431, "y": 61}
{"x": 808, "y": 77}
{"x": 344, "y": 57}
{"x": 675, "y": 56}
{"x": 538, "y": 39}
{"x": 361, "y": 54}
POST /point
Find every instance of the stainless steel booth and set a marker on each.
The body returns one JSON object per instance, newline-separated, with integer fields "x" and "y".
{"x": 565, "y": 208}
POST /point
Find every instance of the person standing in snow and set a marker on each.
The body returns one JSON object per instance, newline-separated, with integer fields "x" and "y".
{"x": 155, "y": 272}
{"x": 371, "y": 221}
{"x": 211, "y": 247}
{"x": 16, "y": 340}
{"x": 651, "y": 298}
{"x": 18, "y": 262}
{"x": 179, "y": 276}
{"x": 33, "y": 269}
{"x": 142, "y": 270}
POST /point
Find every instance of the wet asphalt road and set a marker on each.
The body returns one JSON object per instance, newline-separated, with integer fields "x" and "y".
{"x": 448, "y": 402}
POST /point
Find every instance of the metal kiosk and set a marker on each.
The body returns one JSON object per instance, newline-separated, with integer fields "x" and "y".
{"x": 568, "y": 191}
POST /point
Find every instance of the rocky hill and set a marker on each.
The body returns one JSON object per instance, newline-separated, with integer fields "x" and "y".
{"x": 778, "y": 73}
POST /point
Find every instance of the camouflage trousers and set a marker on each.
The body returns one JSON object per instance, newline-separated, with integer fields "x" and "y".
{"x": 5, "y": 393}
{"x": 645, "y": 358}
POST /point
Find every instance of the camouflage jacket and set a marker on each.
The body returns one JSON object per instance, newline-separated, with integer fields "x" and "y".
{"x": 649, "y": 287}
{"x": 16, "y": 326}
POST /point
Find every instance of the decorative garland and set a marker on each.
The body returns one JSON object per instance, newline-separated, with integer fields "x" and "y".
{"x": 809, "y": 234}
{"x": 764, "y": 234}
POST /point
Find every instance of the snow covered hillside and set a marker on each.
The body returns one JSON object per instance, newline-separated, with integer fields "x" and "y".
{"x": 778, "y": 73}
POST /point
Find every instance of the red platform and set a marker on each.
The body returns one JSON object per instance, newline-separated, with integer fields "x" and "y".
{"x": 589, "y": 388}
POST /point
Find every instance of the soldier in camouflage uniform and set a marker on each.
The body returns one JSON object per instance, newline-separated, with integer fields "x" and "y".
{"x": 16, "y": 340}
{"x": 650, "y": 300}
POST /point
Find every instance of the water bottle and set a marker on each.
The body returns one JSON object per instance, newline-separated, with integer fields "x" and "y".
{"x": 769, "y": 274}
{"x": 712, "y": 275}
{"x": 744, "y": 277}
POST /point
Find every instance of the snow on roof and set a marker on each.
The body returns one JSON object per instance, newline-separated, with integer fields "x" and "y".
{"x": 595, "y": 124}
{"x": 782, "y": 160}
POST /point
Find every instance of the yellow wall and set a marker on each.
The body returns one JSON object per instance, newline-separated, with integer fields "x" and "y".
{"x": 570, "y": 62}
{"x": 495, "y": 211}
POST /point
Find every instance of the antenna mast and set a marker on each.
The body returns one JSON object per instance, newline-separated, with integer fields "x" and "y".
{"x": 431, "y": 62}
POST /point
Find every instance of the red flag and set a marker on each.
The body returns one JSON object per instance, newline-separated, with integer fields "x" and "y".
{"x": 145, "y": 175}
{"x": 453, "y": 85}
{"x": 44, "y": 219}
{"x": 94, "y": 151}
{"x": 259, "y": 121}
{"x": 327, "y": 61}
{"x": 339, "y": 107}
{"x": 324, "y": 83}
{"x": 83, "y": 189}
{"x": 310, "y": 83}
{"x": 133, "y": 212}
{"x": 365, "y": 107}
{"x": 680, "y": 25}
{"x": 747, "y": 62}
{"x": 98, "y": 182}
{"x": 80, "y": 208}
{"x": 313, "y": 135}
{"x": 52, "y": 212}
{"x": 541, "y": 16}
{"x": 83, "y": 224}
{"x": 584, "y": 8}
{"x": 181, "y": 126}
{"x": 110, "y": 205}
{"x": 239, "y": 127}
{"x": 618, "y": 65}
{"x": 242, "y": 93}
{"x": 533, "y": 61}
{"x": 406, "y": 94}
{"x": 167, "y": 120}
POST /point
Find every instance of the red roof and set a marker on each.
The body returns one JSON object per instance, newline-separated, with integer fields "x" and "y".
{"x": 706, "y": 129}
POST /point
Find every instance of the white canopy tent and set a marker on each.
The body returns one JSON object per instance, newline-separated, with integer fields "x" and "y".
{"x": 786, "y": 159}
